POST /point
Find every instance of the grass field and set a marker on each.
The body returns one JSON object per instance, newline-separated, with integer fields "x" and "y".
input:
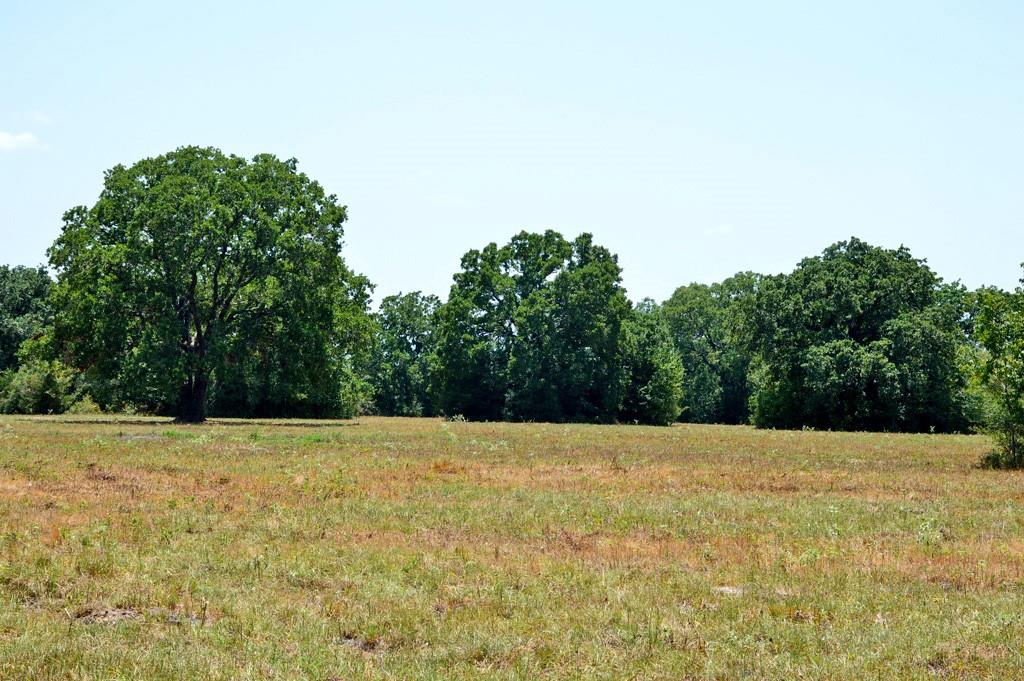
{"x": 400, "y": 548}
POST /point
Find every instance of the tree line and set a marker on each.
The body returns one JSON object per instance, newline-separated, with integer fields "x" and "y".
{"x": 202, "y": 284}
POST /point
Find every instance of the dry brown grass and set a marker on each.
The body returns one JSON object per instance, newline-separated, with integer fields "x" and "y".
{"x": 401, "y": 548}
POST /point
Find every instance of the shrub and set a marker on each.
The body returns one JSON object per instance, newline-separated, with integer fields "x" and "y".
{"x": 84, "y": 405}
{"x": 38, "y": 387}
{"x": 1000, "y": 331}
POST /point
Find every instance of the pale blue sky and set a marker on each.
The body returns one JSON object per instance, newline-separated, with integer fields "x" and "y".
{"x": 693, "y": 139}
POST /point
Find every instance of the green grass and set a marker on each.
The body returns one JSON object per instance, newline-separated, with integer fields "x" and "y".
{"x": 418, "y": 549}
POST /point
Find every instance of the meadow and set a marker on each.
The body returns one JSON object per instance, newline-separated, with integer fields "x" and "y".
{"x": 389, "y": 548}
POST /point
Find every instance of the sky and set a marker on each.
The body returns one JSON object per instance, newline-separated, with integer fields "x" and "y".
{"x": 695, "y": 140}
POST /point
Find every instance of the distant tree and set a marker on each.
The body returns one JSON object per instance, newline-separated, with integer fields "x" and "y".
{"x": 1000, "y": 332}
{"x": 400, "y": 364}
{"x": 474, "y": 334}
{"x": 926, "y": 348}
{"x": 654, "y": 369}
{"x": 194, "y": 268}
{"x": 532, "y": 331}
{"x": 590, "y": 308}
{"x": 24, "y": 309}
{"x": 858, "y": 338}
{"x": 708, "y": 325}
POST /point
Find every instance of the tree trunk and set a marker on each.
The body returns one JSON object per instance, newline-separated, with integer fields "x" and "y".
{"x": 192, "y": 402}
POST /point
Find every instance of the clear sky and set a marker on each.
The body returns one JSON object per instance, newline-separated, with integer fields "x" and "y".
{"x": 693, "y": 139}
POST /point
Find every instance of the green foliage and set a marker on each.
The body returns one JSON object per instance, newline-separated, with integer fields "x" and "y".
{"x": 859, "y": 338}
{"x": 654, "y": 393}
{"x": 203, "y": 282}
{"x": 23, "y": 309}
{"x": 84, "y": 405}
{"x": 202, "y": 278}
{"x": 400, "y": 363}
{"x": 1000, "y": 332}
{"x": 288, "y": 363}
{"x": 37, "y": 387}
{"x": 587, "y": 308}
{"x": 849, "y": 386}
{"x": 533, "y": 331}
{"x": 708, "y": 323}
{"x": 926, "y": 348}
{"x": 474, "y": 332}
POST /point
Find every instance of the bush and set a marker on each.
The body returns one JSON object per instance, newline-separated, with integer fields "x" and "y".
{"x": 84, "y": 405}
{"x": 1004, "y": 422}
{"x": 38, "y": 387}
{"x": 355, "y": 395}
{"x": 1000, "y": 331}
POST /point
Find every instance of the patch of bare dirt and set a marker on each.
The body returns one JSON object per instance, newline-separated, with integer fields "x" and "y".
{"x": 366, "y": 644}
{"x": 107, "y": 615}
{"x": 94, "y": 472}
{"x": 140, "y": 437}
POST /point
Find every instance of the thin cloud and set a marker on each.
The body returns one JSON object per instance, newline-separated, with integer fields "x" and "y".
{"x": 720, "y": 230}
{"x": 9, "y": 141}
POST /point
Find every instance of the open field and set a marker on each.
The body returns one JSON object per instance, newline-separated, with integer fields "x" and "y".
{"x": 400, "y": 548}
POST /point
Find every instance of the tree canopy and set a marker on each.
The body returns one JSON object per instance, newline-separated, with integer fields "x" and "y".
{"x": 202, "y": 283}
{"x": 196, "y": 273}
{"x": 655, "y": 383}
{"x": 24, "y": 309}
{"x": 534, "y": 330}
{"x": 858, "y": 338}
{"x": 708, "y": 325}
{"x": 400, "y": 364}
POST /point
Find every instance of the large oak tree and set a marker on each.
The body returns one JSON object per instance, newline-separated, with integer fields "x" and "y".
{"x": 194, "y": 265}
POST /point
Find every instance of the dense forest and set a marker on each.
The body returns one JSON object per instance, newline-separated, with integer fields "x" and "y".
{"x": 206, "y": 284}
